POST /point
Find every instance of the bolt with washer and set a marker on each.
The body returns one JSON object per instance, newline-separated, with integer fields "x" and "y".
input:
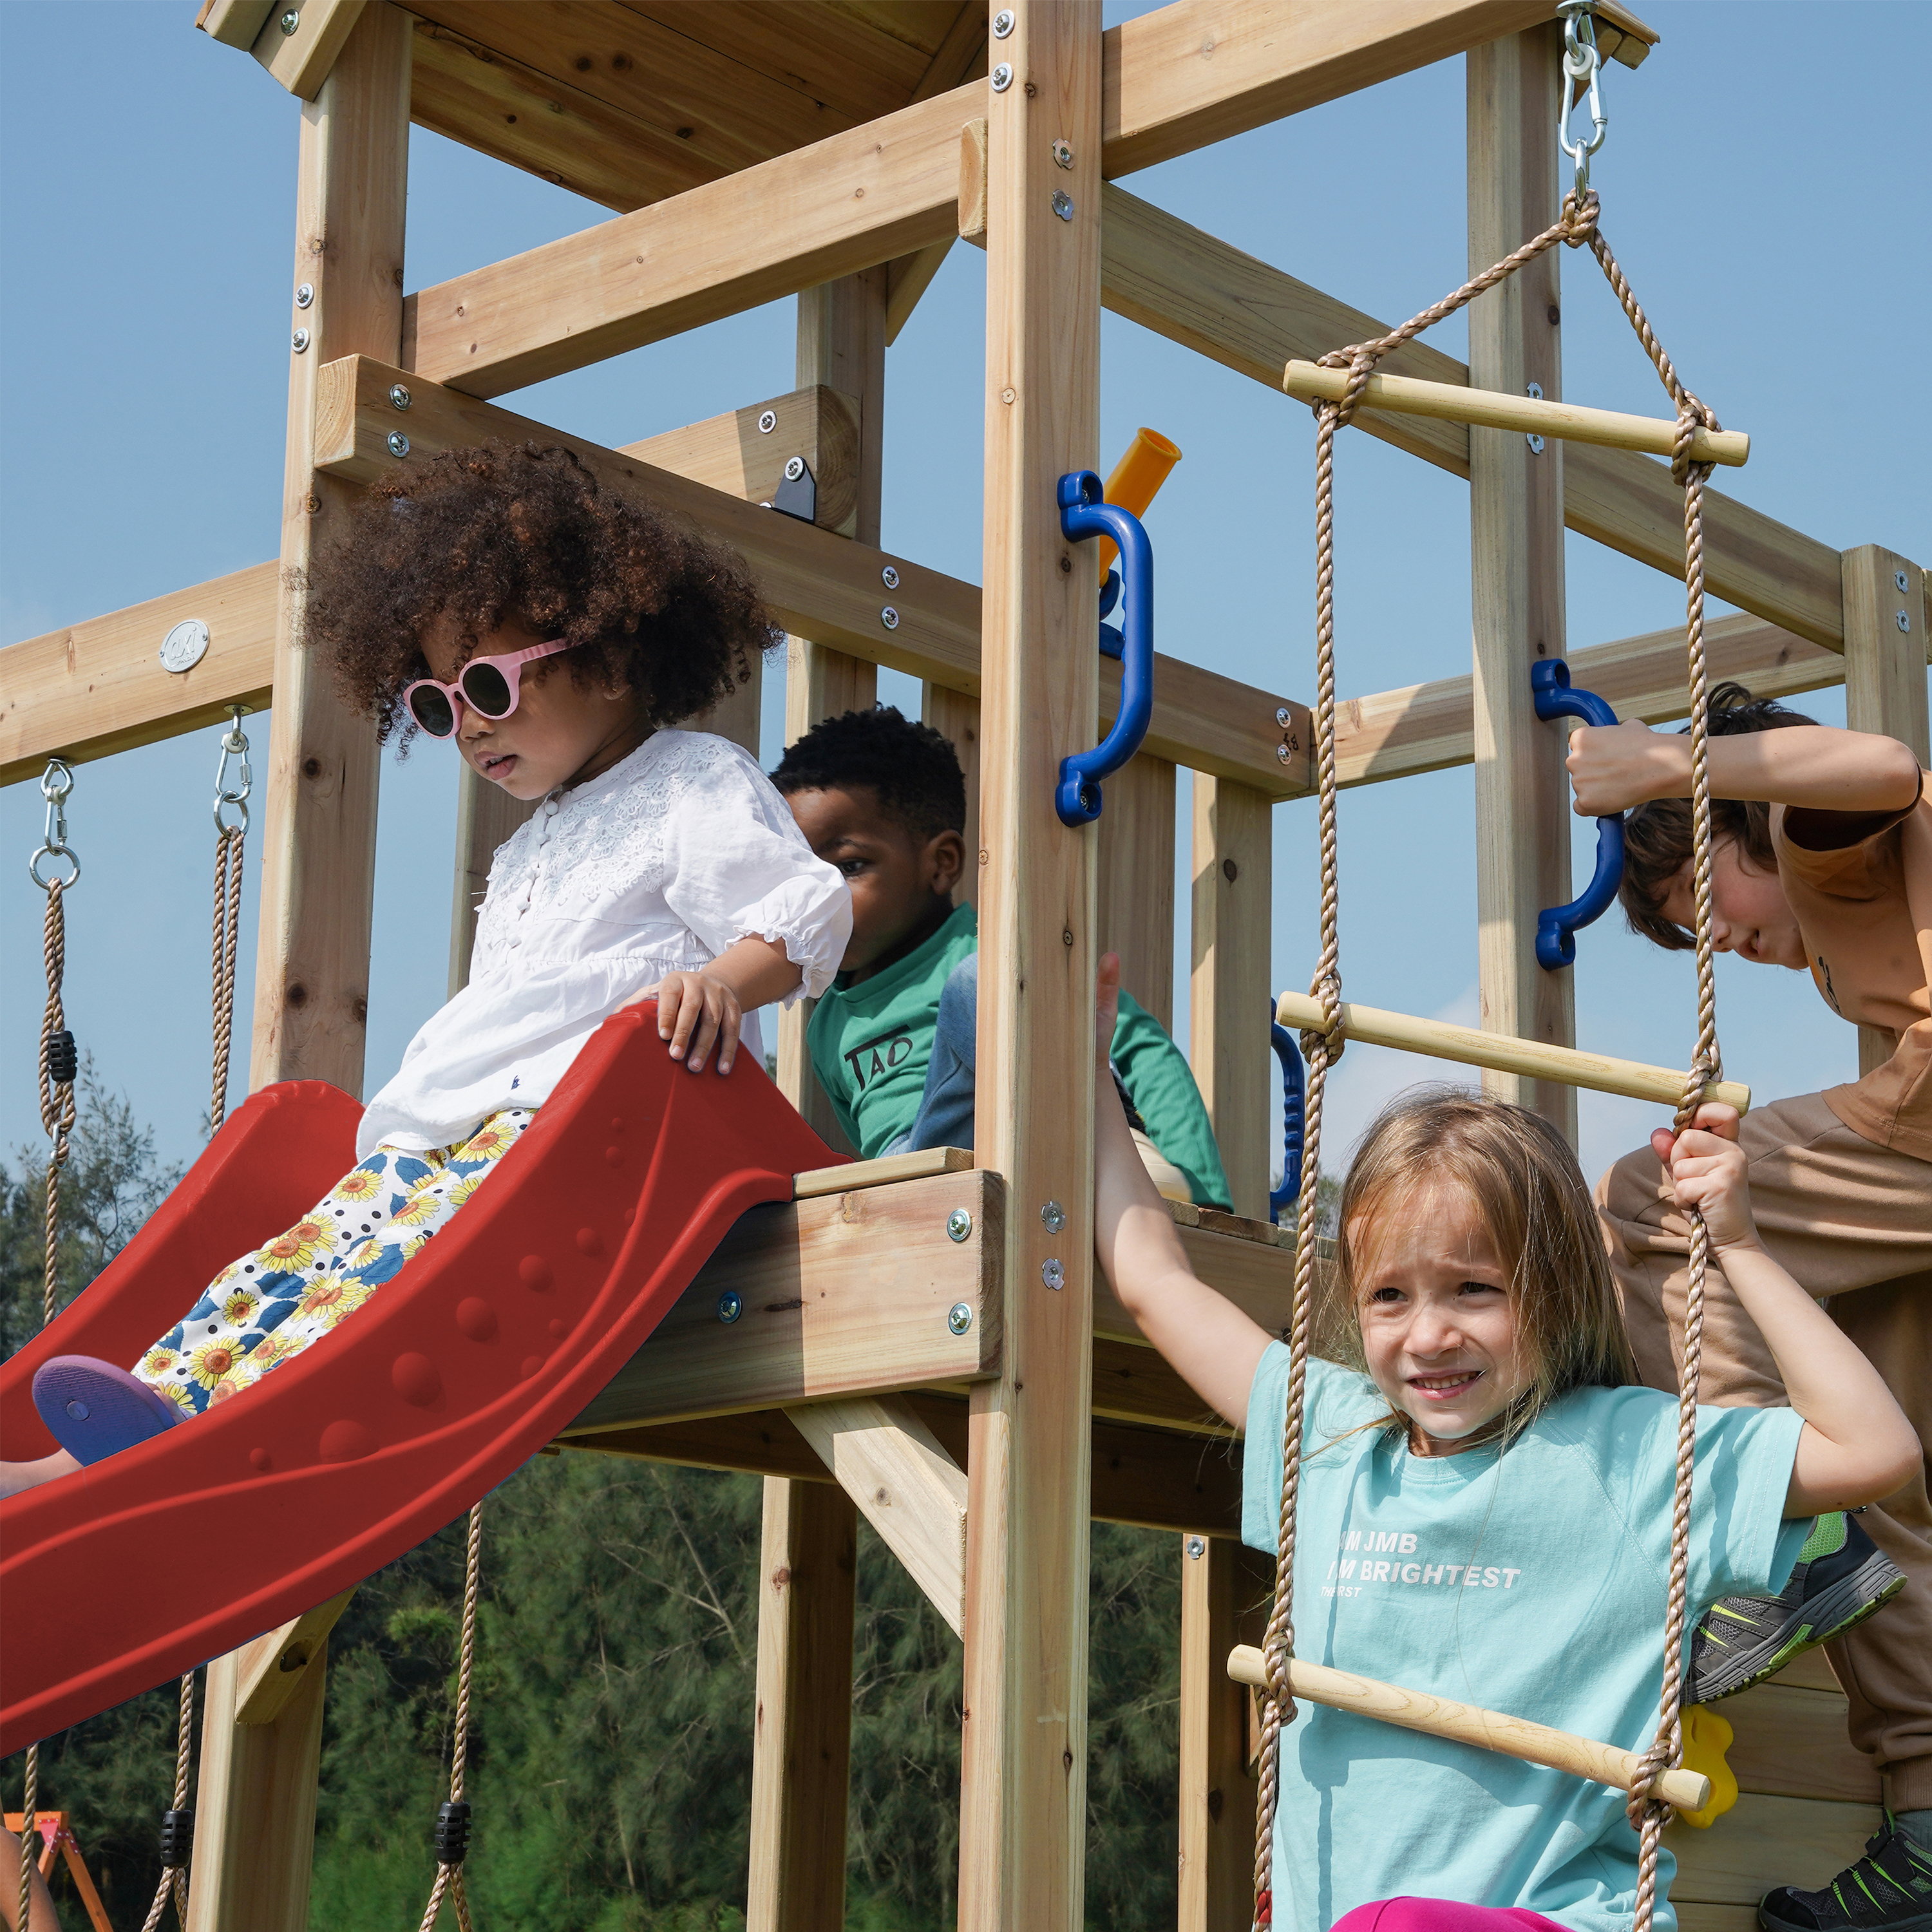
{"x": 305, "y": 294}
{"x": 1003, "y": 23}
{"x": 1283, "y": 716}
{"x": 729, "y": 1307}
{"x": 1053, "y": 1217}
{"x": 399, "y": 397}
{"x": 290, "y": 21}
{"x": 1054, "y": 1275}
{"x": 1283, "y": 754}
{"x": 1003, "y": 78}
{"x": 890, "y": 577}
{"x": 958, "y": 1225}
{"x": 889, "y": 618}
{"x": 1904, "y": 621}
{"x": 768, "y": 421}
{"x": 959, "y": 1318}
{"x": 299, "y": 341}
{"x": 1197, "y": 1547}
{"x": 1899, "y": 577}
{"x": 1063, "y": 204}
{"x": 1063, "y": 153}
{"x": 399, "y": 444}
{"x": 794, "y": 468}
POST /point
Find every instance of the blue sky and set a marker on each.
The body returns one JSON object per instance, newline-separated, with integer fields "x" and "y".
{"x": 1762, "y": 184}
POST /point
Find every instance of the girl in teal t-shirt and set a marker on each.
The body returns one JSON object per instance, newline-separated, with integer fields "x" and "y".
{"x": 1486, "y": 1497}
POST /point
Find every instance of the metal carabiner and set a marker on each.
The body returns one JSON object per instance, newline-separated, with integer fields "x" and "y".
{"x": 234, "y": 744}
{"x": 56, "y": 782}
{"x": 1582, "y": 65}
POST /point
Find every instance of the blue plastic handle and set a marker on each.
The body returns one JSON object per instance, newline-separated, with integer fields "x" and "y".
{"x": 1082, "y": 514}
{"x": 1556, "y": 928}
{"x": 1294, "y": 1091}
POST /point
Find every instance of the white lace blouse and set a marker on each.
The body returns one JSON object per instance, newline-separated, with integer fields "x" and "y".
{"x": 656, "y": 866}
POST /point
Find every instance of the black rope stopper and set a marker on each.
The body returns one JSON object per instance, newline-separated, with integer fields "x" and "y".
{"x": 177, "y": 1838}
{"x": 63, "y": 1059}
{"x": 452, "y": 1832}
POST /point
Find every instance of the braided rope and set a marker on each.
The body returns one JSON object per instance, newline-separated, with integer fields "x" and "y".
{"x": 449, "y": 1877}
{"x": 174, "y": 1878}
{"x": 229, "y": 848}
{"x": 1577, "y": 227}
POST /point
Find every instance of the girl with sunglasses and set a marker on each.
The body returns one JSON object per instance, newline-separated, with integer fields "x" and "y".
{"x": 553, "y": 636}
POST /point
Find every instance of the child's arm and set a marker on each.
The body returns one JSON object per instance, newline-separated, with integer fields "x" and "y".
{"x": 1856, "y": 1445}
{"x": 1214, "y": 1345}
{"x": 1614, "y": 767}
{"x": 694, "y": 1009}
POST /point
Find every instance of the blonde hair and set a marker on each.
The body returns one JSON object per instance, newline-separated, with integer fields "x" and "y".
{"x": 1530, "y": 1194}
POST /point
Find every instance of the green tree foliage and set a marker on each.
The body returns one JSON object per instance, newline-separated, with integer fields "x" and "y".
{"x": 610, "y": 1746}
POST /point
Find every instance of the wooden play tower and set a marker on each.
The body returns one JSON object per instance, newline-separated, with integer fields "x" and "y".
{"x": 922, "y": 1339}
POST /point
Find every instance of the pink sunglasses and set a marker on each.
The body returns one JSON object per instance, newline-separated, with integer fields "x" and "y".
{"x": 492, "y": 684}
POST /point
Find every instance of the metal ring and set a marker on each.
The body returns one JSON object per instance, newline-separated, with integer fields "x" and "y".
{"x": 53, "y": 852}
{"x": 240, "y": 805}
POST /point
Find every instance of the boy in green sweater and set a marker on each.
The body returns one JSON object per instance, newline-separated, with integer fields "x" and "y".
{"x": 892, "y": 1041}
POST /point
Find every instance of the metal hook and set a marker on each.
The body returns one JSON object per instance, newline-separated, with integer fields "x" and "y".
{"x": 234, "y": 744}
{"x": 1582, "y": 65}
{"x": 56, "y": 782}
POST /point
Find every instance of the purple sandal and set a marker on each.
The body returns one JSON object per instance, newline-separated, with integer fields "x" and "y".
{"x": 96, "y": 1410}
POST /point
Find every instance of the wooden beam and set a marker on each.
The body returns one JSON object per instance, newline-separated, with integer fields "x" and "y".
{"x": 818, "y": 586}
{"x": 905, "y": 1485}
{"x": 301, "y": 59}
{"x": 1023, "y": 1810}
{"x": 1197, "y": 71}
{"x": 1792, "y": 1743}
{"x": 1761, "y": 1837}
{"x": 1885, "y": 680}
{"x": 802, "y": 1728}
{"x": 887, "y": 1170}
{"x": 842, "y": 1294}
{"x": 270, "y": 1669}
{"x": 1392, "y": 734}
{"x": 955, "y": 717}
{"x": 1516, "y": 545}
{"x": 1134, "y": 866}
{"x": 1183, "y": 284}
{"x": 235, "y": 23}
{"x": 99, "y": 687}
{"x": 1229, "y": 986}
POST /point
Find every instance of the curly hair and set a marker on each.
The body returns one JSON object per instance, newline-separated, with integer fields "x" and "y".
{"x": 914, "y": 772}
{"x": 1657, "y": 834}
{"x": 500, "y": 532}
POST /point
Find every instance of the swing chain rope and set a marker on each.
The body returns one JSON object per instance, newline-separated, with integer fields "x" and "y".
{"x": 57, "y": 1072}
{"x": 1576, "y": 227}
{"x": 452, "y": 1833}
{"x": 175, "y": 1832}
{"x": 230, "y": 841}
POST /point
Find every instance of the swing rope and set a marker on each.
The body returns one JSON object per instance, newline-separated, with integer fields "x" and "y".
{"x": 452, "y": 1822}
{"x": 58, "y": 1068}
{"x": 1576, "y": 227}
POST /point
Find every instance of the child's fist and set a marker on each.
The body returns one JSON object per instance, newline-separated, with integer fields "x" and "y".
{"x": 1614, "y": 767}
{"x": 1708, "y": 1172}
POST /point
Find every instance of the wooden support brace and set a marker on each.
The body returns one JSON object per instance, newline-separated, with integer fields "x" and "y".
{"x": 905, "y": 1485}
{"x": 301, "y": 55}
{"x": 916, "y": 1165}
{"x": 1469, "y": 1724}
{"x": 1530, "y": 1059}
{"x": 270, "y": 1669}
{"x": 1611, "y": 429}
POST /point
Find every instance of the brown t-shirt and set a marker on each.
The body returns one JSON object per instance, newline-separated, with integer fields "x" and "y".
{"x": 1861, "y": 884}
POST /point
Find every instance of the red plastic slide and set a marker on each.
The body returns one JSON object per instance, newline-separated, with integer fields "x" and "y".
{"x": 124, "y": 1576}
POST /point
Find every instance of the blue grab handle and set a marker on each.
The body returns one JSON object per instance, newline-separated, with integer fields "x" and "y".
{"x": 1293, "y": 1116}
{"x": 1556, "y": 928}
{"x": 1082, "y": 514}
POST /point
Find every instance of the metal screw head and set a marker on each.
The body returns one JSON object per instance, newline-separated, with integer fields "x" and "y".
{"x": 768, "y": 421}
{"x": 1534, "y": 392}
{"x": 299, "y": 341}
{"x": 958, "y": 1225}
{"x": 1063, "y": 204}
{"x": 1899, "y": 577}
{"x": 890, "y": 577}
{"x": 1054, "y": 1275}
{"x": 1535, "y": 445}
{"x": 1053, "y": 1217}
{"x": 1283, "y": 753}
{"x": 1002, "y": 77}
{"x": 399, "y": 444}
{"x": 729, "y": 1305}
{"x": 290, "y": 21}
{"x": 794, "y": 470}
{"x": 399, "y": 397}
{"x": 1904, "y": 621}
{"x": 889, "y": 618}
{"x": 1003, "y": 23}
{"x": 959, "y": 1318}
{"x": 1197, "y": 1547}
{"x": 1063, "y": 153}
{"x": 305, "y": 294}
{"x": 1283, "y": 716}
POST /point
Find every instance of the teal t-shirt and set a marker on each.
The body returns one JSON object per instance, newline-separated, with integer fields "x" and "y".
{"x": 870, "y": 1045}
{"x": 1532, "y": 1583}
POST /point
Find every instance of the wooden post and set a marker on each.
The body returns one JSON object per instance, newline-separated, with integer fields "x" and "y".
{"x": 1516, "y": 540}
{"x": 1023, "y": 1756}
{"x": 1230, "y": 996}
{"x": 1224, "y": 1601}
{"x": 802, "y": 1747}
{"x": 1885, "y": 657}
{"x": 955, "y": 717}
{"x": 1134, "y": 889}
{"x": 255, "y": 1814}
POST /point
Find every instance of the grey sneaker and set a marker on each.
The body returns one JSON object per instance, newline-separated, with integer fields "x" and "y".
{"x": 1888, "y": 1890}
{"x": 1841, "y": 1576}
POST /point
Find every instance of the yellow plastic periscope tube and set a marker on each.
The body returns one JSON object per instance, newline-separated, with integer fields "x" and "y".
{"x": 1136, "y": 477}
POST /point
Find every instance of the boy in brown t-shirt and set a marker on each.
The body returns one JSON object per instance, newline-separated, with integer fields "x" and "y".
{"x": 1822, "y": 859}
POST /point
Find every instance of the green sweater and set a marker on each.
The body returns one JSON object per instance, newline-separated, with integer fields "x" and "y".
{"x": 871, "y": 1043}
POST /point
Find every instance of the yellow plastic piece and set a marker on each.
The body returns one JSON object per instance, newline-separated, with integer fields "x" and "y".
{"x": 1706, "y": 1737}
{"x": 1135, "y": 479}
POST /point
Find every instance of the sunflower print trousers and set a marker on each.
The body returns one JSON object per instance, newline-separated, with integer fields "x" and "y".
{"x": 271, "y": 1304}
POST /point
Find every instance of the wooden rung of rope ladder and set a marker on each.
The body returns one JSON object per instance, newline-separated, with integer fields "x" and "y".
{"x": 1534, "y": 416}
{"x": 1503, "y": 1053}
{"x": 1470, "y": 1724}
